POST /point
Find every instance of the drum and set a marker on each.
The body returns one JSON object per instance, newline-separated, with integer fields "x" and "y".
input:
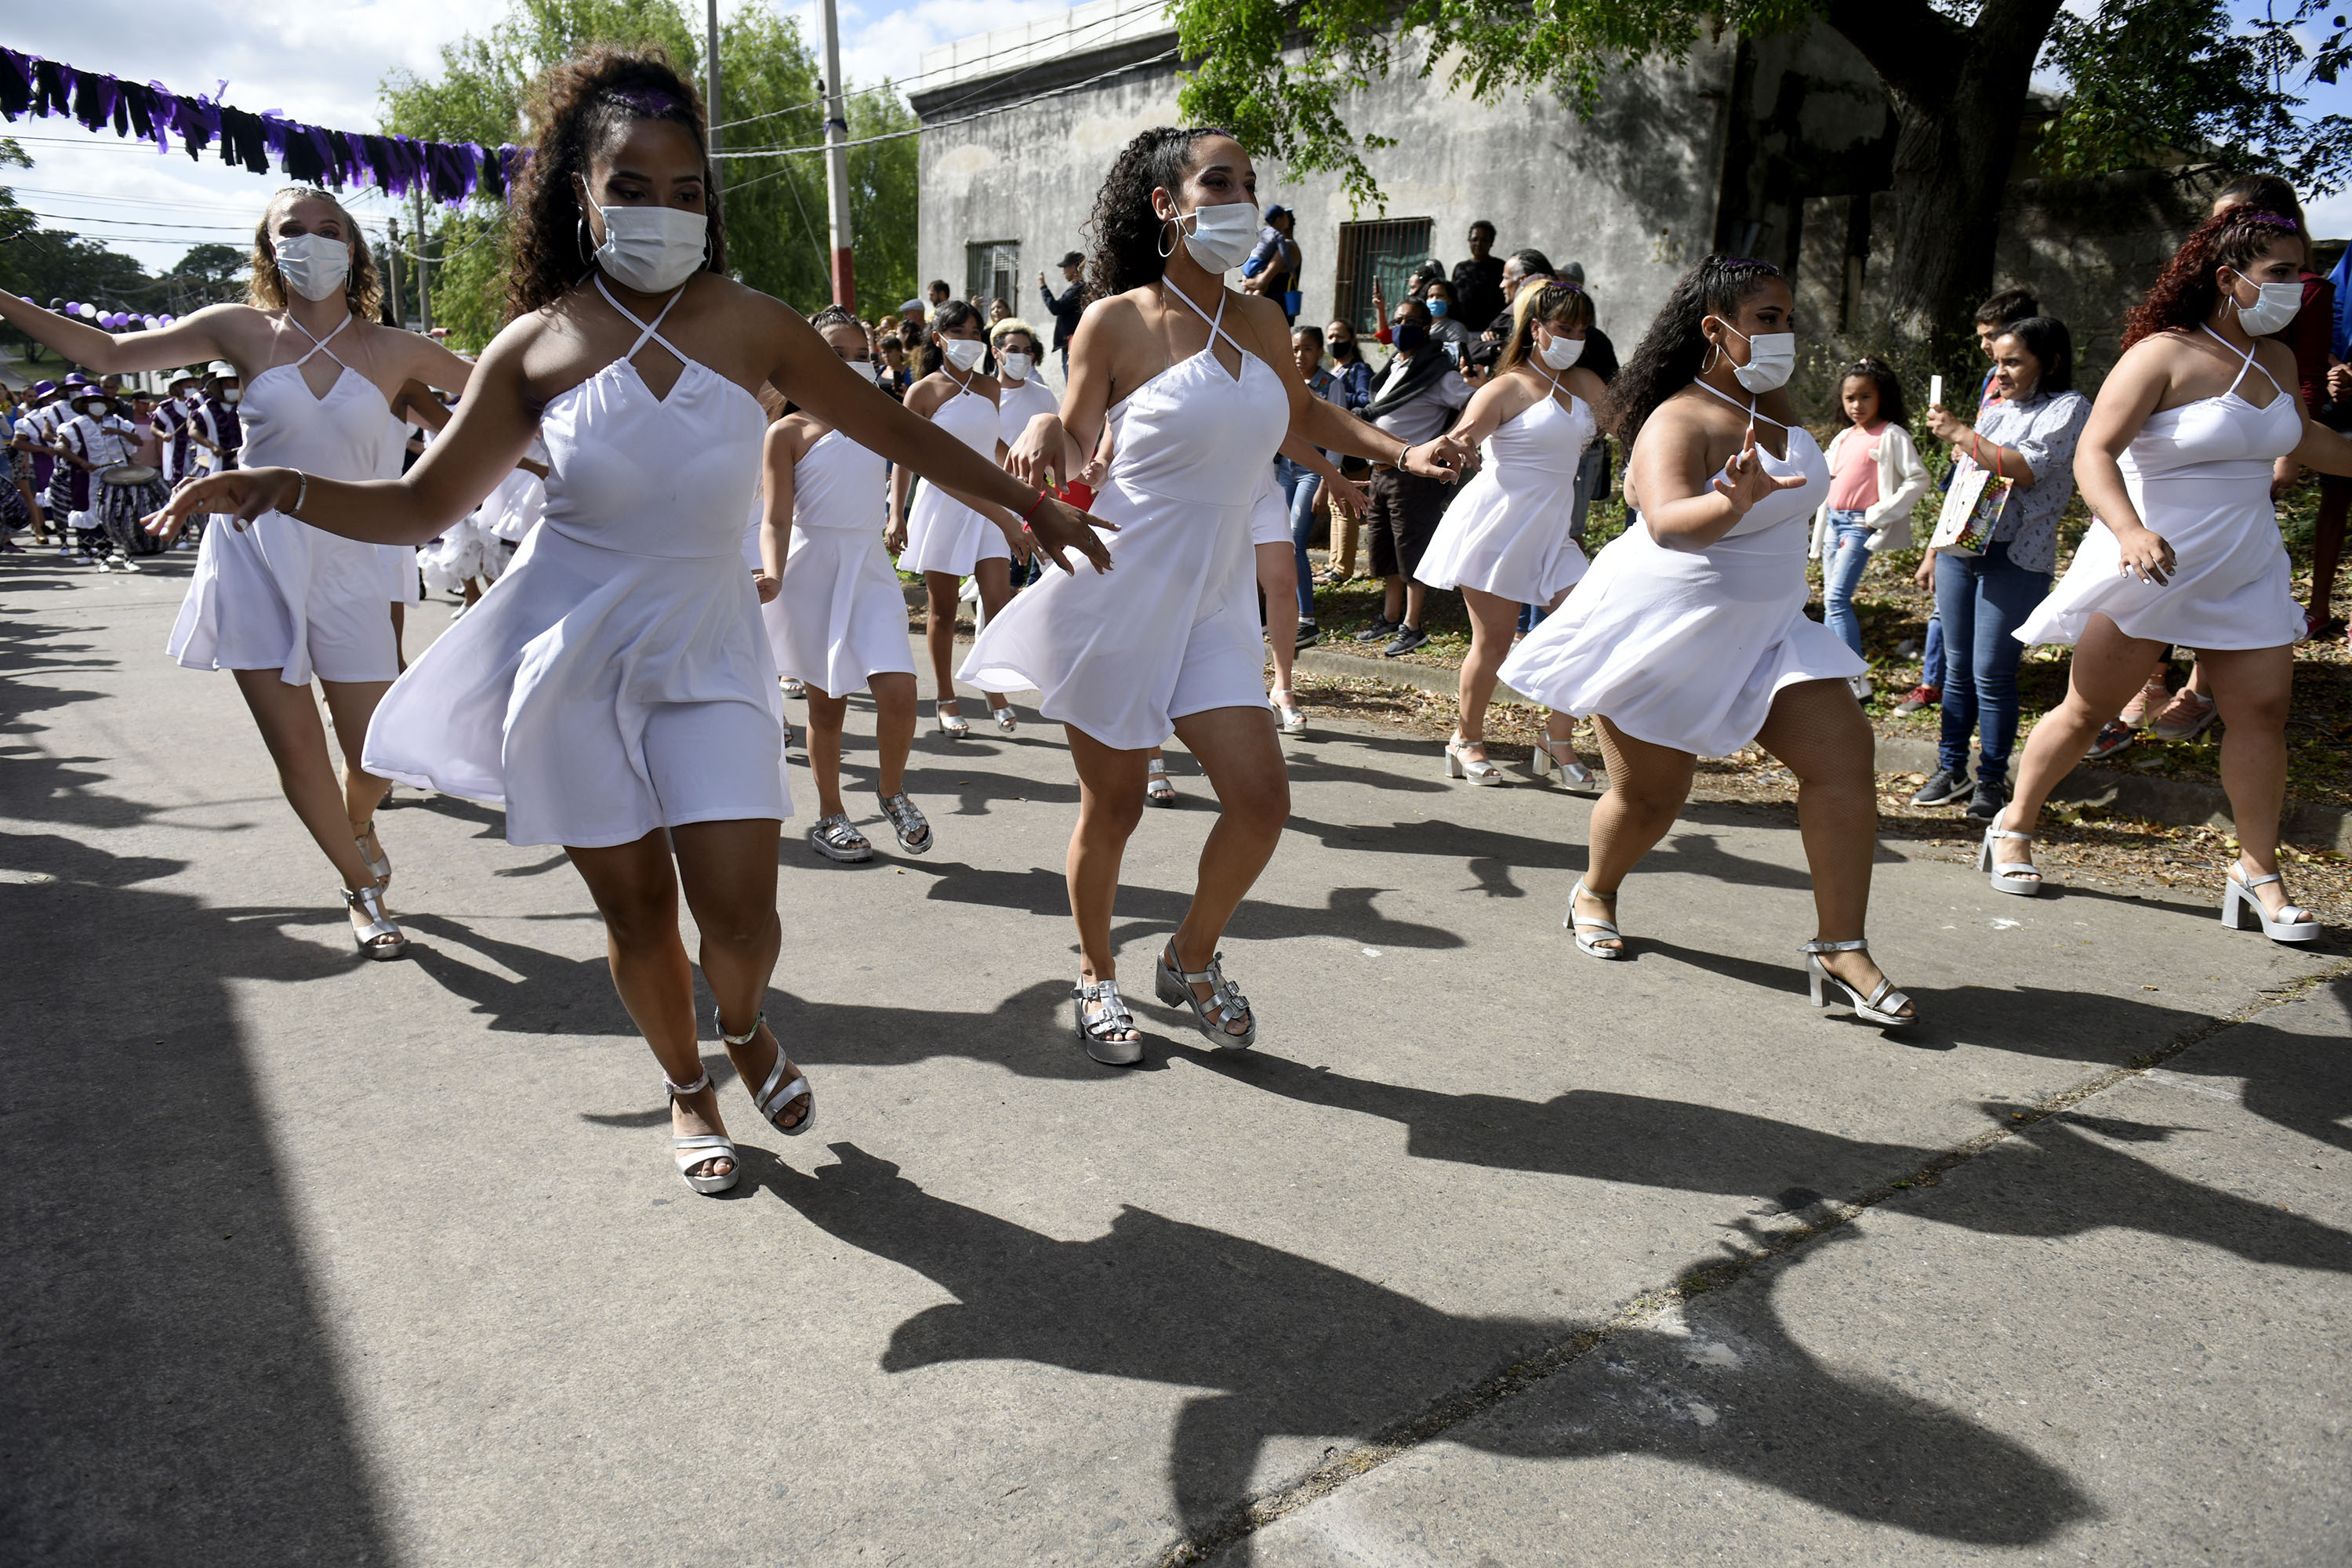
{"x": 130, "y": 476}
{"x": 124, "y": 504}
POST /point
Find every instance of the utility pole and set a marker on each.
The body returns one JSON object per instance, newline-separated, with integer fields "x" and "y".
{"x": 424, "y": 271}
{"x": 398, "y": 306}
{"x": 837, "y": 166}
{"x": 710, "y": 97}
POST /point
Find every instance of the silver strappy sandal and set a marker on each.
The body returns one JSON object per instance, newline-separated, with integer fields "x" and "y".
{"x": 380, "y": 867}
{"x": 1098, "y": 1031}
{"x": 2295, "y": 923}
{"x": 914, "y": 830}
{"x": 1880, "y": 1008}
{"x": 954, "y": 726}
{"x": 835, "y": 839}
{"x": 1574, "y": 777}
{"x": 703, "y": 1147}
{"x": 381, "y": 939}
{"x": 1225, "y": 1004}
{"x": 774, "y": 1098}
{"x": 1603, "y": 930}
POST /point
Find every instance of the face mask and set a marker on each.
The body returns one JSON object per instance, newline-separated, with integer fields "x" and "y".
{"x": 1771, "y": 359}
{"x": 2275, "y": 309}
{"x": 312, "y": 265}
{"x": 94, "y": 407}
{"x": 866, "y": 368}
{"x": 230, "y": 394}
{"x": 651, "y": 249}
{"x": 1436, "y": 307}
{"x": 1220, "y": 237}
{"x": 1016, "y": 366}
{"x": 962, "y": 352}
{"x": 1409, "y": 336}
{"x": 1562, "y": 351}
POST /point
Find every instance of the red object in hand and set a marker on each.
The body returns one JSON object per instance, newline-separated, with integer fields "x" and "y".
{"x": 1078, "y": 495}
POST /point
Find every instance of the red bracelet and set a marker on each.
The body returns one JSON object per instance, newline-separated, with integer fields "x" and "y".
{"x": 1034, "y": 506}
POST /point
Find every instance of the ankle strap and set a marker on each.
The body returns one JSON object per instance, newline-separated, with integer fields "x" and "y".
{"x": 2250, "y": 883}
{"x": 1821, "y": 944}
{"x": 745, "y": 1037}
{"x": 697, "y": 1086}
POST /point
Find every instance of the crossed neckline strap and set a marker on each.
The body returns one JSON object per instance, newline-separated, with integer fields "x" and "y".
{"x": 1748, "y": 408}
{"x": 2246, "y": 362}
{"x": 319, "y": 345}
{"x": 1216, "y": 323}
{"x": 646, "y": 331}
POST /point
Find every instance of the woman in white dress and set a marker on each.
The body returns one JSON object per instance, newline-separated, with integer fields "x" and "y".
{"x": 946, "y": 536}
{"x": 1504, "y": 541}
{"x": 2175, "y": 463}
{"x": 1201, "y": 383}
{"x": 834, "y": 615}
{"x": 281, "y": 603}
{"x": 1021, "y": 392}
{"x": 1688, "y": 638}
{"x": 615, "y": 693}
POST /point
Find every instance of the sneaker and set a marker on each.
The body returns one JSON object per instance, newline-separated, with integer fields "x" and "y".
{"x": 95, "y": 562}
{"x": 2185, "y": 718}
{"x": 1945, "y": 787}
{"x": 2150, "y": 699}
{"x": 1990, "y": 796}
{"x": 124, "y": 564}
{"x": 1308, "y": 635}
{"x": 1379, "y": 629}
{"x": 1407, "y": 638}
{"x": 1921, "y": 696}
{"x": 2112, "y": 739}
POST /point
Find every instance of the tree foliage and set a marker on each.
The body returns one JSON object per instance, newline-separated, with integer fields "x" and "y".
{"x": 775, "y": 203}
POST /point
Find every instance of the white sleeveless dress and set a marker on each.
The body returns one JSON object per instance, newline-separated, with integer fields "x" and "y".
{"x": 1019, "y": 402}
{"x": 1269, "y": 510}
{"x": 404, "y": 584}
{"x": 943, "y": 534}
{"x": 1507, "y": 532}
{"x": 280, "y": 595}
{"x": 1687, "y": 647}
{"x": 2200, "y": 476}
{"x": 839, "y": 616}
{"x": 1172, "y": 629}
{"x": 617, "y": 680}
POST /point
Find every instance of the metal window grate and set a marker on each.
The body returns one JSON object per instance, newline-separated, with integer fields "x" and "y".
{"x": 1386, "y": 252}
{"x": 992, "y": 270}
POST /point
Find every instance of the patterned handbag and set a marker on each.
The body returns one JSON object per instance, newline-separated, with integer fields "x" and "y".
{"x": 1972, "y": 507}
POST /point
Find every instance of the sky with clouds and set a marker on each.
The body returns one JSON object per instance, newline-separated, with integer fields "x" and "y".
{"x": 322, "y": 60}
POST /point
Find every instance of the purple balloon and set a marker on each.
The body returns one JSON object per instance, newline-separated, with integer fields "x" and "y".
{"x": 73, "y": 307}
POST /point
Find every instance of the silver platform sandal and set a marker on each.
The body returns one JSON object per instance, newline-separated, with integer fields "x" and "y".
{"x": 834, "y": 838}
{"x": 775, "y": 1097}
{"x": 1603, "y": 930}
{"x": 703, "y": 1147}
{"x": 1574, "y": 777}
{"x": 381, "y": 939}
{"x": 1098, "y": 1031}
{"x": 1223, "y": 1005}
{"x": 1880, "y": 1008}
{"x": 914, "y": 830}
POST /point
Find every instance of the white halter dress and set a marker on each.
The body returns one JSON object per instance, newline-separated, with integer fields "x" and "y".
{"x": 943, "y": 534}
{"x": 1507, "y": 531}
{"x": 280, "y": 595}
{"x": 1172, "y": 629}
{"x": 1687, "y": 648}
{"x": 1269, "y": 510}
{"x": 839, "y": 616}
{"x": 2200, "y": 476}
{"x": 617, "y": 680}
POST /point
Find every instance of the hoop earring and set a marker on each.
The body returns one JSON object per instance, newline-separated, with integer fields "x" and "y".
{"x": 1170, "y": 230}
{"x": 588, "y": 241}
{"x": 1714, "y": 352}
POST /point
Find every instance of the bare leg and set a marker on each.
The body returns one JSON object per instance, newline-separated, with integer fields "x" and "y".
{"x": 1238, "y": 749}
{"x": 2253, "y": 685}
{"x": 939, "y": 633}
{"x": 353, "y": 703}
{"x": 1111, "y": 804}
{"x": 1817, "y": 729}
{"x": 2327, "y": 542}
{"x": 1647, "y": 786}
{"x": 894, "y": 727}
{"x": 1416, "y": 602}
{"x": 1278, "y": 575}
{"x": 399, "y": 630}
{"x": 995, "y": 580}
{"x": 727, "y": 870}
{"x": 1392, "y": 601}
{"x": 2108, "y": 667}
{"x": 288, "y": 717}
{"x": 825, "y": 713}
{"x": 1492, "y": 620}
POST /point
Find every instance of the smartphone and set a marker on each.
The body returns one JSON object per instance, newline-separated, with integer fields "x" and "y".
{"x": 1935, "y": 392}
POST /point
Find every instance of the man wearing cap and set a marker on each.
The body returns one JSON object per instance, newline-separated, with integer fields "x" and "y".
{"x": 910, "y": 320}
{"x": 1272, "y": 268}
{"x": 1068, "y": 306}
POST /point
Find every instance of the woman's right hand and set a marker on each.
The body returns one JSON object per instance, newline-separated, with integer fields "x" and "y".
{"x": 240, "y": 494}
{"x": 1040, "y": 451}
{"x": 2146, "y": 554}
{"x": 1057, "y": 526}
{"x": 1746, "y": 480}
{"x": 894, "y": 537}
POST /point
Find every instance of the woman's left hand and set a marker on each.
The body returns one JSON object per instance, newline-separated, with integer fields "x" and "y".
{"x": 1057, "y": 526}
{"x": 1348, "y": 496}
{"x": 767, "y": 585}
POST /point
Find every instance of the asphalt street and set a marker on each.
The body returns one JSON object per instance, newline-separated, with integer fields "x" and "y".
{"x": 1487, "y": 1254}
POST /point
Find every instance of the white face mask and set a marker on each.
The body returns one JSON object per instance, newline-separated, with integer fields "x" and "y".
{"x": 651, "y": 249}
{"x": 2274, "y": 309}
{"x": 229, "y": 394}
{"x": 1220, "y": 237}
{"x": 1562, "y": 350}
{"x": 1771, "y": 359}
{"x": 962, "y": 352}
{"x": 312, "y": 265}
{"x": 1016, "y": 366}
{"x": 864, "y": 368}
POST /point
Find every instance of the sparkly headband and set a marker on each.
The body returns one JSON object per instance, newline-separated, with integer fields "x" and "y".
{"x": 2255, "y": 215}
{"x": 651, "y": 102}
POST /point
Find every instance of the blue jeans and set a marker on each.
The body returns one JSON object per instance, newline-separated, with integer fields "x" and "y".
{"x": 1299, "y": 487}
{"x": 1844, "y": 561}
{"x": 1981, "y": 599}
{"x": 1931, "y": 658}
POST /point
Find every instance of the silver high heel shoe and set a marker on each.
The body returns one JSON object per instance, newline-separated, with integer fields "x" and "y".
{"x": 1477, "y": 770}
{"x": 703, "y": 1147}
{"x": 1098, "y": 1030}
{"x": 954, "y": 726}
{"x": 1574, "y": 777}
{"x": 1879, "y": 1008}
{"x": 2020, "y": 876}
{"x": 772, "y": 1099}
{"x": 2295, "y": 923}
{"x": 381, "y": 939}
{"x": 381, "y": 867}
{"x": 1603, "y": 930}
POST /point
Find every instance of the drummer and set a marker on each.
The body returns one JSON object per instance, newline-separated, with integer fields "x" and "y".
{"x": 111, "y": 492}
{"x": 216, "y": 430}
{"x": 174, "y": 417}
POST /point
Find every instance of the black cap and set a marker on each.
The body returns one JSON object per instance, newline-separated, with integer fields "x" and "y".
{"x": 1076, "y": 258}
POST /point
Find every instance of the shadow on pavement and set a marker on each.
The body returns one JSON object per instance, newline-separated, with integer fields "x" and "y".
{"x": 1288, "y": 1347}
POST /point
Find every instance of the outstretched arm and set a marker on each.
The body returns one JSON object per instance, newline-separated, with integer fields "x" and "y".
{"x": 205, "y": 334}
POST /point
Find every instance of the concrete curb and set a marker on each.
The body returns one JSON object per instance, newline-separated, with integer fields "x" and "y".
{"x": 2175, "y": 802}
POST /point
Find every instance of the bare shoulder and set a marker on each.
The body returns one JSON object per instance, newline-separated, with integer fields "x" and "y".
{"x": 794, "y": 434}
{"x": 1116, "y": 312}
{"x": 1264, "y": 317}
{"x": 1586, "y": 386}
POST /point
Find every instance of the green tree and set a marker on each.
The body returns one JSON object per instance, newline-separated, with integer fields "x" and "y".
{"x": 884, "y": 197}
{"x": 45, "y": 264}
{"x": 207, "y": 274}
{"x": 1956, "y": 71}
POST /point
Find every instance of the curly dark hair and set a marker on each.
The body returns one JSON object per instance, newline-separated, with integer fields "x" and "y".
{"x": 1124, "y": 230}
{"x": 2184, "y": 293}
{"x": 265, "y": 289}
{"x": 954, "y": 313}
{"x": 1553, "y": 304}
{"x": 578, "y": 107}
{"x": 1880, "y": 374}
{"x": 1672, "y": 349}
